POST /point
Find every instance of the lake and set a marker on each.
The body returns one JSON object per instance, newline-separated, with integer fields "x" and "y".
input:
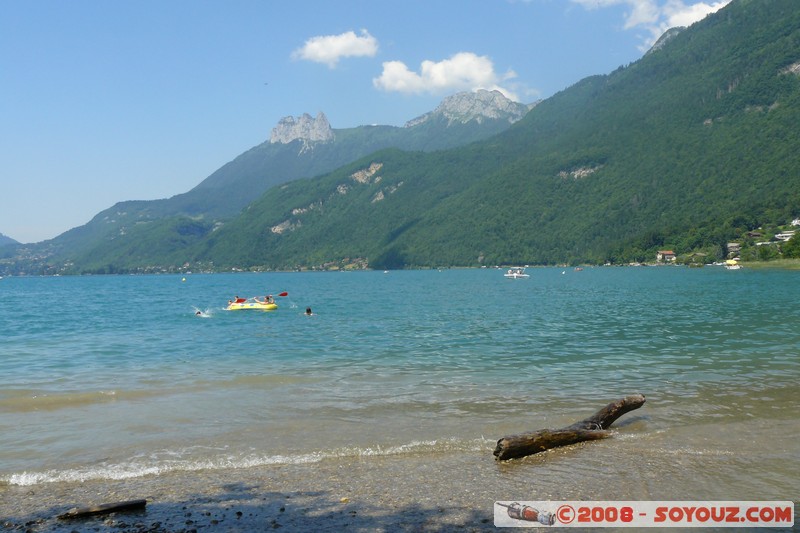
{"x": 117, "y": 377}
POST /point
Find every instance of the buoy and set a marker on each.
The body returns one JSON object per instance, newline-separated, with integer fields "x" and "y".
{"x": 184, "y": 279}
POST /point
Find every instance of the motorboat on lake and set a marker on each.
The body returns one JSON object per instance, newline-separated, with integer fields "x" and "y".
{"x": 516, "y": 273}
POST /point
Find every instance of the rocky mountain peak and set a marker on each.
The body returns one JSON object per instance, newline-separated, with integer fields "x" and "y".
{"x": 478, "y": 106}
{"x": 304, "y": 128}
{"x": 667, "y": 36}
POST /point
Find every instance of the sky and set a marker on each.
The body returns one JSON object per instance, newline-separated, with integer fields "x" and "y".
{"x": 102, "y": 102}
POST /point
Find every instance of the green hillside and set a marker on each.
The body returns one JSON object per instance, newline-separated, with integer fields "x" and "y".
{"x": 687, "y": 148}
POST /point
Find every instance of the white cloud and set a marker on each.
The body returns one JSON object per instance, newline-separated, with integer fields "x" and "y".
{"x": 462, "y": 72}
{"x": 679, "y": 14}
{"x": 657, "y": 16}
{"x": 329, "y": 49}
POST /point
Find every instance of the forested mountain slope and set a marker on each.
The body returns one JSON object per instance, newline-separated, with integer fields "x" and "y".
{"x": 686, "y": 148}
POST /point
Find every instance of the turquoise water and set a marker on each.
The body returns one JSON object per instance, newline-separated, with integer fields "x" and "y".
{"x": 112, "y": 377}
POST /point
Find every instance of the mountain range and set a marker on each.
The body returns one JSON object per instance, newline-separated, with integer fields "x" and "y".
{"x": 687, "y": 148}
{"x": 298, "y": 147}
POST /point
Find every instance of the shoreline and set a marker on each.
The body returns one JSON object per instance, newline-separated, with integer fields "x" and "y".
{"x": 390, "y": 494}
{"x": 776, "y": 264}
{"x": 442, "y": 492}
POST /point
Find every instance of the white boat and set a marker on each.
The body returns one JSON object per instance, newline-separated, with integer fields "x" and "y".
{"x": 516, "y": 273}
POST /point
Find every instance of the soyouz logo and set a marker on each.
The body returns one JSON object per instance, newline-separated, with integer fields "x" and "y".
{"x": 644, "y": 514}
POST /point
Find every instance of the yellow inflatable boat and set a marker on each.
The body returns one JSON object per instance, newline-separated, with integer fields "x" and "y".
{"x": 251, "y": 304}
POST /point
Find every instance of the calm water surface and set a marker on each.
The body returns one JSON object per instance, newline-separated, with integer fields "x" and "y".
{"x": 114, "y": 377}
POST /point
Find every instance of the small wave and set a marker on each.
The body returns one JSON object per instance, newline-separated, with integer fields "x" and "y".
{"x": 419, "y": 447}
{"x": 694, "y": 451}
{"x": 256, "y": 381}
{"x": 139, "y": 468}
{"x": 23, "y": 401}
{"x": 136, "y": 470}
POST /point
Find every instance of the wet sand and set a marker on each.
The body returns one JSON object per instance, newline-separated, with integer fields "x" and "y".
{"x": 387, "y": 494}
{"x": 421, "y": 492}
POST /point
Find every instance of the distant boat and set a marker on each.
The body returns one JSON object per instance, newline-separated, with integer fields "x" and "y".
{"x": 516, "y": 273}
{"x": 731, "y": 264}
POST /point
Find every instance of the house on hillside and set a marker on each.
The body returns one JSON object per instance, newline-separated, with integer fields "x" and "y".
{"x": 665, "y": 256}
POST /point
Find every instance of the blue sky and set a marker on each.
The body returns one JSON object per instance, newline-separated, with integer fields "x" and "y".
{"x": 137, "y": 100}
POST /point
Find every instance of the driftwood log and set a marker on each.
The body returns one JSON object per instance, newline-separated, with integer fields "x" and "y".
{"x": 105, "y": 508}
{"x": 592, "y": 428}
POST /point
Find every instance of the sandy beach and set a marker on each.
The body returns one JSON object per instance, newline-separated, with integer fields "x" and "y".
{"x": 411, "y": 492}
{"x": 404, "y": 492}
{"x": 390, "y": 494}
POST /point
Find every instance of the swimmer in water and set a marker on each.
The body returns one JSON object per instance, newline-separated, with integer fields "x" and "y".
{"x": 308, "y": 311}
